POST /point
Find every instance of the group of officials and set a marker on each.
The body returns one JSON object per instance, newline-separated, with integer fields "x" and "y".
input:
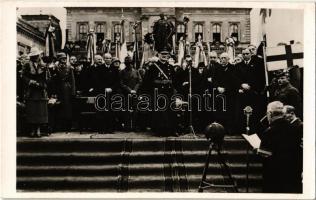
{"x": 48, "y": 92}
{"x": 230, "y": 87}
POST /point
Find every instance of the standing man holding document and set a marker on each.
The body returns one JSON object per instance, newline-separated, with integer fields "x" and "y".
{"x": 277, "y": 149}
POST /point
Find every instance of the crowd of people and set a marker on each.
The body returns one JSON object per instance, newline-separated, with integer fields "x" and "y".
{"x": 49, "y": 88}
{"x": 53, "y": 92}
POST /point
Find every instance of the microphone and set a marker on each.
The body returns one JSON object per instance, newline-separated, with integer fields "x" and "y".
{"x": 248, "y": 112}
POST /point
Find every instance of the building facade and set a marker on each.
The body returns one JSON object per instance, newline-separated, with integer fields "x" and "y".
{"x": 28, "y": 36}
{"x": 212, "y": 25}
{"x": 42, "y": 22}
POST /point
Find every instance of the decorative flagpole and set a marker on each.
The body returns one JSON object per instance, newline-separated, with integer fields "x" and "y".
{"x": 265, "y": 66}
{"x": 117, "y": 46}
{"x": 185, "y": 22}
{"x": 136, "y": 53}
{"x": 264, "y": 14}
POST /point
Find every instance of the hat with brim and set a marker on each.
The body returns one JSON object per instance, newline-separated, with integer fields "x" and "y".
{"x": 34, "y": 52}
{"x": 281, "y": 73}
{"x": 115, "y": 59}
{"x": 201, "y": 65}
{"x": 164, "y": 52}
{"x": 61, "y": 55}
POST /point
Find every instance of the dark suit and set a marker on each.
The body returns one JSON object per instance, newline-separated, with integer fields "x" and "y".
{"x": 252, "y": 73}
{"x": 281, "y": 170}
{"x": 225, "y": 77}
{"x": 210, "y": 73}
{"x": 199, "y": 85}
{"x": 105, "y": 77}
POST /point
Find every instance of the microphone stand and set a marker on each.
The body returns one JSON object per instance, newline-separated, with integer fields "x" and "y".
{"x": 191, "y": 129}
{"x": 247, "y": 112}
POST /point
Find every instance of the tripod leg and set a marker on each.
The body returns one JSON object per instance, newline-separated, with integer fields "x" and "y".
{"x": 206, "y": 165}
{"x": 247, "y": 170}
{"x": 227, "y": 170}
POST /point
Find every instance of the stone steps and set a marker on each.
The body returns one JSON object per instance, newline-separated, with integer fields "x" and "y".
{"x": 130, "y": 165}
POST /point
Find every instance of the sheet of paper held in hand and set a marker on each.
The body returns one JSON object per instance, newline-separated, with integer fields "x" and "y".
{"x": 253, "y": 140}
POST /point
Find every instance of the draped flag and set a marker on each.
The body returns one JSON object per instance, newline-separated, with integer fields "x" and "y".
{"x": 148, "y": 52}
{"x": 283, "y": 57}
{"x": 187, "y": 48}
{"x": 123, "y": 47}
{"x": 135, "y": 54}
{"x": 180, "y": 52}
{"x": 264, "y": 13}
{"x": 106, "y": 46}
{"x": 173, "y": 45}
{"x": 208, "y": 49}
{"x": 199, "y": 53}
{"x": 230, "y": 48}
{"x": 91, "y": 46}
{"x": 50, "y": 42}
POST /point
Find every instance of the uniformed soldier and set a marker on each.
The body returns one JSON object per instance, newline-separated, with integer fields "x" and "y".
{"x": 65, "y": 90}
{"x": 160, "y": 80}
{"x": 130, "y": 80}
{"x": 288, "y": 94}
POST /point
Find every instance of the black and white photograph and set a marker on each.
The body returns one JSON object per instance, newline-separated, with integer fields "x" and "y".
{"x": 158, "y": 99}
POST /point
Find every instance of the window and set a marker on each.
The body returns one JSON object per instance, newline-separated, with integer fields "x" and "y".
{"x": 23, "y": 49}
{"x": 117, "y": 32}
{"x": 82, "y": 30}
{"x": 99, "y": 32}
{"x": 180, "y": 31}
{"x": 216, "y": 31}
{"x": 234, "y": 31}
{"x": 198, "y": 32}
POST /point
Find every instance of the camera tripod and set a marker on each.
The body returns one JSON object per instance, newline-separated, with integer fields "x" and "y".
{"x": 231, "y": 183}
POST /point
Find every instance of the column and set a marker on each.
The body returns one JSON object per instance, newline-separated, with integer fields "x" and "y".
{"x": 208, "y": 31}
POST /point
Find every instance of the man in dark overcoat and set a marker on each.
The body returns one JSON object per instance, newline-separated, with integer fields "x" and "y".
{"x": 130, "y": 81}
{"x": 226, "y": 86}
{"x": 251, "y": 73}
{"x": 295, "y": 135}
{"x": 105, "y": 83}
{"x": 209, "y": 73}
